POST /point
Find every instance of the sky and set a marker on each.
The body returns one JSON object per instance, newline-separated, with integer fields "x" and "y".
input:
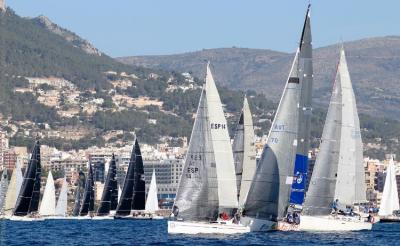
{"x": 161, "y": 27}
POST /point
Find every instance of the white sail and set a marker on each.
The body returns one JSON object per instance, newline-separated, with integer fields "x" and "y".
{"x": 227, "y": 190}
{"x": 390, "y": 197}
{"x": 244, "y": 152}
{"x": 152, "y": 200}
{"x": 61, "y": 208}
{"x": 13, "y": 190}
{"x": 48, "y": 205}
{"x": 119, "y": 193}
{"x": 350, "y": 183}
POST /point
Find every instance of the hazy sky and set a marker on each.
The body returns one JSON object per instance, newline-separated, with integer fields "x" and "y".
{"x": 149, "y": 27}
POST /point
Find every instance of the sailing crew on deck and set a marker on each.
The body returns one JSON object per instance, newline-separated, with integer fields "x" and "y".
{"x": 335, "y": 206}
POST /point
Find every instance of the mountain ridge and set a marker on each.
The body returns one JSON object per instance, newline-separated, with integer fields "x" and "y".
{"x": 373, "y": 62}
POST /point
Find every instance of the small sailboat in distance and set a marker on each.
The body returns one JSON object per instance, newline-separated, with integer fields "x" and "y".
{"x": 151, "y": 206}
{"x": 14, "y": 188}
{"x": 78, "y": 194}
{"x": 62, "y": 203}
{"x": 338, "y": 176}
{"x": 132, "y": 202}
{"x": 389, "y": 211}
{"x": 87, "y": 208}
{"x": 244, "y": 153}
{"x": 207, "y": 192}
{"x": 27, "y": 205}
{"x": 109, "y": 199}
{"x": 48, "y": 205}
{"x": 3, "y": 190}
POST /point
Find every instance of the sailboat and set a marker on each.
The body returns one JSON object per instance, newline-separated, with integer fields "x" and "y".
{"x": 270, "y": 194}
{"x": 244, "y": 153}
{"x": 3, "y": 190}
{"x": 14, "y": 188}
{"x": 48, "y": 205}
{"x": 27, "y": 205}
{"x": 133, "y": 191}
{"x": 390, "y": 197}
{"x": 87, "y": 209}
{"x": 109, "y": 199}
{"x": 338, "y": 172}
{"x": 62, "y": 203}
{"x": 78, "y": 194}
{"x": 151, "y": 206}
{"x": 207, "y": 192}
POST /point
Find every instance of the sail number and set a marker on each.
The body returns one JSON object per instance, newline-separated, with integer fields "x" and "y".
{"x": 274, "y": 140}
{"x": 218, "y": 126}
{"x": 191, "y": 171}
{"x": 279, "y": 127}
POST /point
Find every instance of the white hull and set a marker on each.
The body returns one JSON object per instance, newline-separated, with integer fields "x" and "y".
{"x": 258, "y": 224}
{"x": 26, "y": 219}
{"x": 182, "y": 227}
{"x": 103, "y": 218}
{"x": 327, "y": 223}
{"x": 59, "y": 218}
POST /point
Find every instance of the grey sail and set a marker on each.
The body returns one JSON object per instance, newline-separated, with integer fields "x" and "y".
{"x": 321, "y": 191}
{"x": 244, "y": 153}
{"x": 350, "y": 185}
{"x": 78, "y": 194}
{"x": 269, "y": 193}
{"x": 338, "y": 171}
{"x": 305, "y": 112}
{"x": 197, "y": 196}
{"x": 3, "y": 190}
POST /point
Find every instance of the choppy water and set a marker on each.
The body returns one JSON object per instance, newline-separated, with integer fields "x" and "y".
{"x": 155, "y": 233}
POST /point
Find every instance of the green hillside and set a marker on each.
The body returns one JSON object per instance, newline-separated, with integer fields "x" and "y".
{"x": 29, "y": 48}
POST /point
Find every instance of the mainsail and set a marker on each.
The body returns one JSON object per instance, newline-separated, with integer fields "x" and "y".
{"x": 88, "y": 195}
{"x": 139, "y": 194}
{"x": 28, "y": 198}
{"x": 338, "y": 171}
{"x": 78, "y": 194}
{"x": 14, "y": 188}
{"x": 269, "y": 194}
{"x": 109, "y": 199}
{"x": 3, "y": 189}
{"x": 305, "y": 68}
{"x": 125, "y": 202}
{"x": 152, "y": 200}
{"x": 226, "y": 177}
{"x": 321, "y": 191}
{"x": 390, "y": 196}
{"x": 48, "y": 205}
{"x": 197, "y": 196}
{"x": 244, "y": 153}
{"x": 61, "y": 208}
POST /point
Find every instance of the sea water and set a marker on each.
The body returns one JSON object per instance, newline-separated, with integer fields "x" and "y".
{"x": 122, "y": 232}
